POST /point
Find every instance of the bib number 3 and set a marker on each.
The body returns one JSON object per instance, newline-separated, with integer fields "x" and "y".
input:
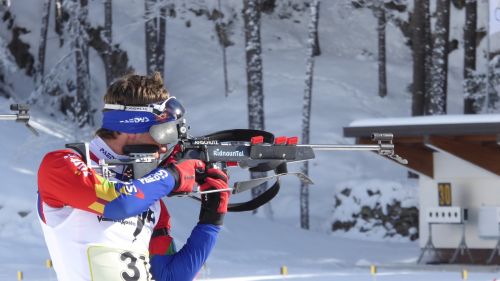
{"x": 109, "y": 264}
{"x": 131, "y": 261}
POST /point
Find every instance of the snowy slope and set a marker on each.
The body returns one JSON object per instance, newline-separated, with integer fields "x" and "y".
{"x": 345, "y": 89}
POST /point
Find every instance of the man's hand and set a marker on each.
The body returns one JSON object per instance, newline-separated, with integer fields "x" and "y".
{"x": 214, "y": 205}
{"x": 185, "y": 174}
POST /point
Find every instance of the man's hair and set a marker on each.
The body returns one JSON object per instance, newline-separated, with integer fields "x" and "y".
{"x": 133, "y": 89}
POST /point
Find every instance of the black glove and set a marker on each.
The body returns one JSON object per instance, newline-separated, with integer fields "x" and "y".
{"x": 214, "y": 205}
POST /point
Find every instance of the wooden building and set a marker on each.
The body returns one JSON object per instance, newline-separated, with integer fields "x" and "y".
{"x": 461, "y": 152}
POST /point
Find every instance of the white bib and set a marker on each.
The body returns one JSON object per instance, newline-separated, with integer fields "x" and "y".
{"x": 115, "y": 264}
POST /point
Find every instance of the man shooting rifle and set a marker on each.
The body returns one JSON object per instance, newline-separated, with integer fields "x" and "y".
{"x": 100, "y": 228}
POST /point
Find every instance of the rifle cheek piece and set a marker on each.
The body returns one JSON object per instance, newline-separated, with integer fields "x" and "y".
{"x": 165, "y": 133}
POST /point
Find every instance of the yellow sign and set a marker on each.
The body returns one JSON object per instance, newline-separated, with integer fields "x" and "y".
{"x": 444, "y": 191}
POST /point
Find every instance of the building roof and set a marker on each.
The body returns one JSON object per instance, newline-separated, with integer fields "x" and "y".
{"x": 427, "y": 125}
{"x": 473, "y": 138}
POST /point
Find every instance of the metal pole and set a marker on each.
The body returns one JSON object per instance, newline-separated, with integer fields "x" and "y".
{"x": 8, "y": 117}
{"x": 363, "y": 147}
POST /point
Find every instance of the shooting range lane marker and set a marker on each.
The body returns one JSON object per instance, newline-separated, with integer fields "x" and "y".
{"x": 465, "y": 274}
{"x": 284, "y": 270}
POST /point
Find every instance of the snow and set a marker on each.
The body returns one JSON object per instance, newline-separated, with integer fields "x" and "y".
{"x": 250, "y": 247}
{"x": 372, "y": 194}
{"x": 428, "y": 120}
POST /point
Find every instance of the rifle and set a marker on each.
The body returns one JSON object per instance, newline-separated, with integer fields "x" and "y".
{"x": 255, "y": 150}
{"x": 261, "y": 151}
{"x": 21, "y": 116}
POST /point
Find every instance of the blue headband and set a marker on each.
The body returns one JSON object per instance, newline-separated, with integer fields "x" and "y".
{"x": 133, "y": 122}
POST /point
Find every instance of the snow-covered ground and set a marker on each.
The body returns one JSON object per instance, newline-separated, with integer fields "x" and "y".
{"x": 250, "y": 247}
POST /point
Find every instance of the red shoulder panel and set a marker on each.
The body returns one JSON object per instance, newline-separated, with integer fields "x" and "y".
{"x": 65, "y": 179}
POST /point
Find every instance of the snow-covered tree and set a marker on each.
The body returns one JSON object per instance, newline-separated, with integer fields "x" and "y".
{"x": 251, "y": 17}
{"x": 5, "y": 3}
{"x": 381, "y": 23}
{"x": 439, "y": 71}
{"x": 7, "y": 66}
{"x": 108, "y": 36}
{"x": 43, "y": 41}
{"x": 428, "y": 52}
{"x": 317, "y": 49}
{"x": 306, "y": 111}
{"x": 77, "y": 102}
{"x": 61, "y": 16}
{"x": 114, "y": 58}
{"x": 221, "y": 29}
{"x": 419, "y": 53}
{"x": 471, "y": 106}
{"x": 155, "y": 28}
{"x": 488, "y": 85}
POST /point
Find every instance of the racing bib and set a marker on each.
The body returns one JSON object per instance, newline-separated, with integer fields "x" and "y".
{"x": 114, "y": 264}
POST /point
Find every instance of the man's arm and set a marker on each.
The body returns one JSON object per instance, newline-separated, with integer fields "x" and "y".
{"x": 185, "y": 264}
{"x": 64, "y": 179}
{"x": 166, "y": 263}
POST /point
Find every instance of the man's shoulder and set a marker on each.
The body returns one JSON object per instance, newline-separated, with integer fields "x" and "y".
{"x": 61, "y": 157}
{"x": 62, "y": 154}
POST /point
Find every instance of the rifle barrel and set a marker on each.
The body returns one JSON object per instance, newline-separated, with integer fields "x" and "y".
{"x": 363, "y": 147}
{"x": 8, "y": 117}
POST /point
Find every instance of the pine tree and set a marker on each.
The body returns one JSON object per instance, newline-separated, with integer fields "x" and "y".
{"x": 155, "y": 28}
{"x": 161, "y": 37}
{"x": 470, "y": 30}
{"x": 439, "y": 71}
{"x": 61, "y": 17}
{"x": 108, "y": 36}
{"x": 251, "y": 17}
{"x": 5, "y": 3}
{"x": 7, "y": 66}
{"x": 150, "y": 29}
{"x": 306, "y": 111}
{"x": 114, "y": 58}
{"x": 428, "y": 54}
{"x": 43, "y": 42}
{"x": 419, "y": 44}
{"x": 317, "y": 49}
{"x": 79, "y": 44}
{"x": 382, "y": 76}
{"x": 224, "y": 42}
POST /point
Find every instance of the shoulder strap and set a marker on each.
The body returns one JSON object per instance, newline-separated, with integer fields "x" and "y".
{"x": 81, "y": 148}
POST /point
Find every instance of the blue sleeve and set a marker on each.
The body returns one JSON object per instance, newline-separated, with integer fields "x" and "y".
{"x": 137, "y": 196}
{"x": 185, "y": 264}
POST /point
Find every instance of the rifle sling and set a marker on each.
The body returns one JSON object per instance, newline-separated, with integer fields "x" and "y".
{"x": 258, "y": 201}
{"x": 263, "y": 198}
